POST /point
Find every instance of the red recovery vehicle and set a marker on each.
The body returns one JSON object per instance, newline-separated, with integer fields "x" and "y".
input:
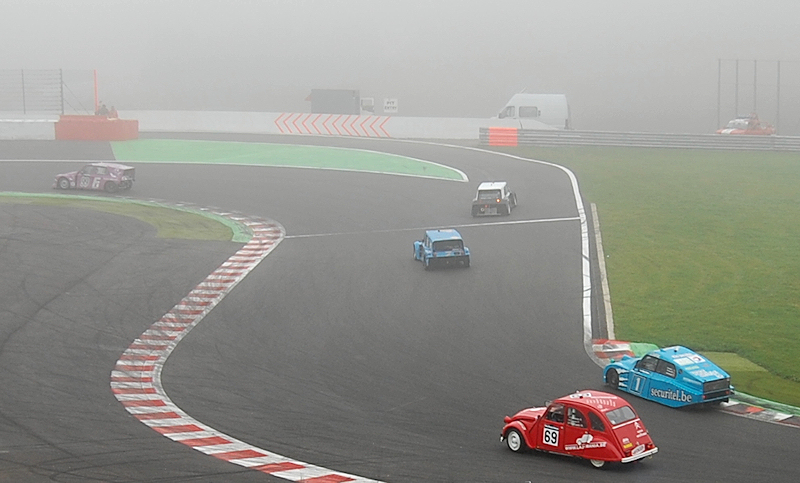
{"x": 597, "y": 426}
{"x": 747, "y": 125}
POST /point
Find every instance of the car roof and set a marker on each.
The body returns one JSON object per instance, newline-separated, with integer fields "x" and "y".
{"x": 492, "y": 185}
{"x": 601, "y": 401}
{"x": 112, "y": 165}
{"x": 443, "y": 234}
{"x": 691, "y": 362}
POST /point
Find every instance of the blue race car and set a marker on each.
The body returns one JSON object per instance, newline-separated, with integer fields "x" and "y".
{"x": 441, "y": 248}
{"x": 673, "y": 376}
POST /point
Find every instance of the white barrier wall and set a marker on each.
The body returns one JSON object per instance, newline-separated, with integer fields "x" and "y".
{"x": 39, "y": 129}
{"x": 316, "y": 124}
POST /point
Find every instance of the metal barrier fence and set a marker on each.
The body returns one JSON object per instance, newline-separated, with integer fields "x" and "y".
{"x": 33, "y": 92}
{"x": 519, "y": 137}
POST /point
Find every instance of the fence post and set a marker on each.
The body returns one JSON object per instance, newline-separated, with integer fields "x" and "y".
{"x": 24, "y": 108}
{"x": 61, "y": 84}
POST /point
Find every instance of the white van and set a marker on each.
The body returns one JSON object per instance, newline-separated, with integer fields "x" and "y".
{"x": 533, "y": 110}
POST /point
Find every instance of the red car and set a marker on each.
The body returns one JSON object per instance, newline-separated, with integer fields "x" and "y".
{"x": 597, "y": 426}
{"x": 747, "y": 125}
{"x": 110, "y": 177}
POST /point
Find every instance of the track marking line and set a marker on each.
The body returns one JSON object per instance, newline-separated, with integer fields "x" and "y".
{"x": 467, "y": 225}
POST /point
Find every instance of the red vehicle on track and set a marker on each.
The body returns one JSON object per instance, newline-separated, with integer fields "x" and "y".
{"x": 109, "y": 177}
{"x": 597, "y": 426}
{"x": 747, "y": 125}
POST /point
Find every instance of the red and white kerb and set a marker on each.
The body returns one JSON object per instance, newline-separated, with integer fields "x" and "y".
{"x": 136, "y": 378}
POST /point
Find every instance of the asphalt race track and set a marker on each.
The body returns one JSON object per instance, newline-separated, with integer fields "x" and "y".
{"x": 338, "y": 349}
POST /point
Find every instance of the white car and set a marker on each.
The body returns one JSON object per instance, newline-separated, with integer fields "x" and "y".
{"x": 493, "y": 198}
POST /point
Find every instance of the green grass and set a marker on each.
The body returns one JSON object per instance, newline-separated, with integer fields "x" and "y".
{"x": 703, "y": 250}
{"x": 285, "y": 155}
{"x": 169, "y": 222}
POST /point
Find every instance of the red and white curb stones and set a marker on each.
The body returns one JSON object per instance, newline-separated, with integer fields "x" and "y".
{"x": 751, "y": 411}
{"x": 605, "y": 349}
{"x": 136, "y": 378}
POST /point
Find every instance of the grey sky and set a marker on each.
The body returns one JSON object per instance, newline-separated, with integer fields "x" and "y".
{"x": 624, "y": 65}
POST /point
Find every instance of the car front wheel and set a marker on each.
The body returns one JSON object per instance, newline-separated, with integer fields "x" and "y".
{"x": 597, "y": 463}
{"x": 110, "y": 187}
{"x": 514, "y": 441}
{"x": 63, "y": 183}
{"x": 612, "y": 378}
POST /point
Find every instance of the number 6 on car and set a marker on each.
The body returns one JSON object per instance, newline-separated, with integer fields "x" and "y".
{"x": 109, "y": 177}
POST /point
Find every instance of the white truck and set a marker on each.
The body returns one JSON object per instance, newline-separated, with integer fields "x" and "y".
{"x": 538, "y": 111}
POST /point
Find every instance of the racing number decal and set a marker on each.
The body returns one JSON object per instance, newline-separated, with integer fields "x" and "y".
{"x": 84, "y": 181}
{"x": 96, "y": 183}
{"x": 637, "y": 384}
{"x": 550, "y": 435}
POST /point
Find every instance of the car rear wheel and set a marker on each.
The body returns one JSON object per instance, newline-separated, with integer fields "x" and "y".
{"x": 612, "y": 378}
{"x": 63, "y": 183}
{"x": 514, "y": 441}
{"x": 597, "y": 463}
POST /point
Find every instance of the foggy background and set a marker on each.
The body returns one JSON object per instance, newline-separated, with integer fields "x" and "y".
{"x": 624, "y": 65}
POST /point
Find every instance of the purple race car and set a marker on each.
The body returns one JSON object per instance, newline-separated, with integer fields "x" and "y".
{"x": 109, "y": 177}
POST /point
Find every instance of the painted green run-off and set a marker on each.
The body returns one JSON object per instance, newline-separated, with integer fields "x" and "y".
{"x": 169, "y": 221}
{"x": 278, "y": 155}
{"x": 703, "y": 250}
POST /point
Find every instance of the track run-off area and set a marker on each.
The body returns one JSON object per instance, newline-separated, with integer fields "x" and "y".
{"x": 336, "y": 348}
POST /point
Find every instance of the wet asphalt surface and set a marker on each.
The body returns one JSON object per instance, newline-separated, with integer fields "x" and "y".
{"x": 338, "y": 350}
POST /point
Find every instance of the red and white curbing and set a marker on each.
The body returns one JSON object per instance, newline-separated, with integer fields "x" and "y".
{"x": 136, "y": 378}
{"x": 606, "y": 349}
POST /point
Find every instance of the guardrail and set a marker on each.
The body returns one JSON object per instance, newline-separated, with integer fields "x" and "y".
{"x": 519, "y": 137}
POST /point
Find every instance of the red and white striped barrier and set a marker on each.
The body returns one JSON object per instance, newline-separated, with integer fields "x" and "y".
{"x": 332, "y": 124}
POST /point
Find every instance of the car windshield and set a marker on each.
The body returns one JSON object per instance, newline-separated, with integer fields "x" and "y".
{"x": 737, "y": 124}
{"x": 488, "y": 194}
{"x": 447, "y": 245}
{"x": 621, "y": 415}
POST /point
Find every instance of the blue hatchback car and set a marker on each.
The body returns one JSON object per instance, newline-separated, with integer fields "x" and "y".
{"x": 440, "y": 248}
{"x": 673, "y": 376}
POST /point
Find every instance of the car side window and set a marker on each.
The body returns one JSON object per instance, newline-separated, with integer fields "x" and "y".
{"x": 575, "y": 418}
{"x": 507, "y": 112}
{"x": 555, "y": 413}
{"x": 597, "y": 423}
{"x": 648, "y": 363}
{"x": 666, "y": 368}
